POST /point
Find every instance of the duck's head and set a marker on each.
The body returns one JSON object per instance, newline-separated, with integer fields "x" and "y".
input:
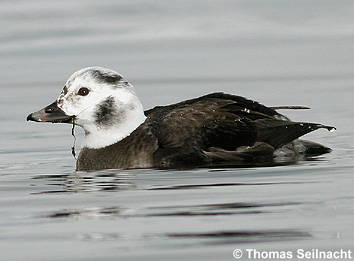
{"x": 100, "y": 101}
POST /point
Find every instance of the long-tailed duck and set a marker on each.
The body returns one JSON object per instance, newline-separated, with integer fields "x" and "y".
{"x": 207, "y": 131}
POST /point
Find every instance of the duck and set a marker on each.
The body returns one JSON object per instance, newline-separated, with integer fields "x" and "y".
{"x": 216, "y": 129}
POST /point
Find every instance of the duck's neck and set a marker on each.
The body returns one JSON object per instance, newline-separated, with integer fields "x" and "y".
{"x": 97, "y": 137}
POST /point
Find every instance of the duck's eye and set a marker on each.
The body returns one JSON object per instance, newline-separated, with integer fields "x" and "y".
{"x": 83, "y": 91}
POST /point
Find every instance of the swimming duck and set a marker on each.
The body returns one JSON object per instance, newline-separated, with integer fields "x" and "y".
{"x": 212, "y": 130}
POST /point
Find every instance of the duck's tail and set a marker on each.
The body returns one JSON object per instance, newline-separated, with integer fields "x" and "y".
{"x": 290, "y": 108}
{"x": 278, "y": 133}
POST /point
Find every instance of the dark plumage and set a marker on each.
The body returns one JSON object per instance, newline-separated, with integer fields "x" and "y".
{"x": 207, "y": 131}
{"x": 106, "y": 77}
{"x": 107, "y": 112}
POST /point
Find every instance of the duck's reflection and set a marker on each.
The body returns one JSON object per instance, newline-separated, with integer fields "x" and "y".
{"x": 208, "y": 236}
{"x": 85, "y": 182}
{"x": 222, "y": 209}
{"x": 141, "y": 213}
{"x": 86, "y": 212}
{"x": 118, "y": 181}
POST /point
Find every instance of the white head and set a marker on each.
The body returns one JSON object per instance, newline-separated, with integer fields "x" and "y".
{"x": 104, "y": 105}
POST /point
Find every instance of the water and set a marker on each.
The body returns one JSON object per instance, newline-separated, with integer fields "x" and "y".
{"x": 277, "y": 52}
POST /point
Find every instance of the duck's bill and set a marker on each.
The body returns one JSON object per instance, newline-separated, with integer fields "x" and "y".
{"x": 51, "y": 113}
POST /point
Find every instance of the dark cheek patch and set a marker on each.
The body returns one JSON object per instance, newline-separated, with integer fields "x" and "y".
{"x": 107, "y": 113}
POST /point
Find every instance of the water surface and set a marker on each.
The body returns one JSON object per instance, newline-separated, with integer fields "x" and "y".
{"x": 279, "y": 53}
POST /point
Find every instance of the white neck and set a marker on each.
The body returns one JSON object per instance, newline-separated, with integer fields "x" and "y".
{"x": 99, "y": 137}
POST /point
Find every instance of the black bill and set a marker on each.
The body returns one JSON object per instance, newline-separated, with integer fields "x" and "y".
{"x": 51, "y": 113}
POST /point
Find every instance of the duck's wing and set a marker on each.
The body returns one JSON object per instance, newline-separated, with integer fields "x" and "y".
{"x": 216, "y": 119}
{"x": 220, "y": 122}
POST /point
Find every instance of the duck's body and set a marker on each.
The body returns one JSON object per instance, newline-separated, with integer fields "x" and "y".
{"x": 210, "y": 130}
